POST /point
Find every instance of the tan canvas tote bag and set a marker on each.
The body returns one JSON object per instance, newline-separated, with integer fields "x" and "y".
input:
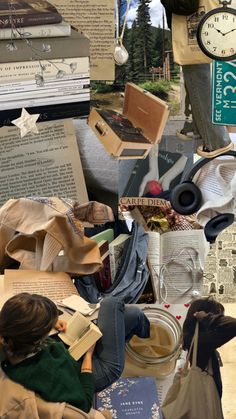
{"x": 193, "y": 394}
{"x": 184, "y": 31}
{"x": 34, "y": 231}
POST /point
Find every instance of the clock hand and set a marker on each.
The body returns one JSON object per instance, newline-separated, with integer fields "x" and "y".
{"x": 229, "y": 31}
{"x": 218, "y": 30}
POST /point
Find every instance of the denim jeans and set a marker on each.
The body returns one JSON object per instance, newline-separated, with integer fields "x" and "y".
{"x": 197, "y": 80}
{"x": 118, "y": 323}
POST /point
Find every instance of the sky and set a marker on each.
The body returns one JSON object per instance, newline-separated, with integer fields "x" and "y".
{"x": 155, "y": 12}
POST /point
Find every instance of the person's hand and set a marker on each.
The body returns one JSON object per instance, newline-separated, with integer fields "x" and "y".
{"x": 61, "y": 325}
{"x": 90, "y": 351}
{"x": 200, "y": 315}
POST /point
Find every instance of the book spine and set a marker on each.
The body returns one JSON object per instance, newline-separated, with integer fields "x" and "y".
{"x": 27, "y": 70}
{"x": 24, "y": 19}
{"x": 45, "y": 101}
{"x": 48, "y": 113}
{"x": 112, "y": 263}
{"x": 45, "y": 93}
{"x": 75, "y": 45}
{"x": 40, "y": 31}
{"x": 31, "y": 85}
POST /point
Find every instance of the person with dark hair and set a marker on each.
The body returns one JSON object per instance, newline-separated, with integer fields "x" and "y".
{"x": 44, "y": 365}
{"x": 215, "y": 329}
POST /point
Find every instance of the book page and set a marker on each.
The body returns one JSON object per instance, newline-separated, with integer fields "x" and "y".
{"x": 77, "y": 303}
{"x": 209, "y": 178}
{"x": 96, "y": 20}
{"x": 54, "y": 285}
{"x": 76, "y": 327}
{"x": 182, "y": 259}
{"x": 43, "y": 164}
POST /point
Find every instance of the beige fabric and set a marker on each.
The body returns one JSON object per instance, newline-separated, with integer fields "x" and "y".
{"x": 184, "y": 41}
{"x": 44, "y": 227}
{"x": 16, "y": 402}
{"x": 193, "y": 394}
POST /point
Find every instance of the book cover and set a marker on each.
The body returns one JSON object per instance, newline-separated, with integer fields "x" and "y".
{"x": 18, "y": 73}
{"x": 29, "y": 87}
{"x": 54, "y": 92}
{"x": 19, "y": 13}
{"x": 152, "y": 168}
{"x": 76, "y": 45}
{"x": 39, "y": 31}
{"x": 45, "y": 96}
{"x": 49, "y": 112}
{"x": 107, "y": 234}
{"x": 27, "y": 103}
{"x": 103, "y": 277}
{"x": 80, "y": 335}
{"x": 116, "y": 253}
{"x": 104, "y": 248}
{"x": 130, "y": 398}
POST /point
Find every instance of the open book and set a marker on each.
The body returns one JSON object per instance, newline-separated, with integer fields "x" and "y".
{"x": 176, "y": 260}
{"x": 80, "y": 335}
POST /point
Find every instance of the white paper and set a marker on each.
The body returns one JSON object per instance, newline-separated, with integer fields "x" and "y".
{"x": 96, "y": 20}
{"x": 54, "y": 285}
{"x": 26, "y": 123}
{"x": 77, "y": 303}
{"x": 43, "y": 164}
{"x": 217, "y": 182}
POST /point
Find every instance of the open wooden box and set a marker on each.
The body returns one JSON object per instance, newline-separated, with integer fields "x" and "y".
{"x": 132, "y": 134}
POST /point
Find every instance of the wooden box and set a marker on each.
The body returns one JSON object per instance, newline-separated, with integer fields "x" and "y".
{"x": 133, "y": 133}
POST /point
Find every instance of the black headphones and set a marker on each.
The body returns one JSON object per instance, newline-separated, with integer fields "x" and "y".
{"x": 186, "y": 199}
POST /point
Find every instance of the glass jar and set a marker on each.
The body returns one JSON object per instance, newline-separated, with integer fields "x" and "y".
{"x": 158, "y": 354}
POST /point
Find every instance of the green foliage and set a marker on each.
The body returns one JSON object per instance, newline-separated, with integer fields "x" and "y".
{"x": 146, "y": 46}
{"x": 174, "y": 107}
{"x": 101, "y": 87}
{"x": 144, "y": 42}
{"x": 159, "y": 88}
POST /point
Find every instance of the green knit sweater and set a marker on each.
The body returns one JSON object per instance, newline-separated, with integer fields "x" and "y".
{"x": 55, "y": 376}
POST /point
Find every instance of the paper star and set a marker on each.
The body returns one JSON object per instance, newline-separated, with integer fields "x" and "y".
{"x": 26, "y": 123}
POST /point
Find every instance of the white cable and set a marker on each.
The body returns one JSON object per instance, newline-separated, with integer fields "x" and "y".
{"x": 190, "y": 267}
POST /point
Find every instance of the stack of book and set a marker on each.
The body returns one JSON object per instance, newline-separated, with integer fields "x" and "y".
{"x": 112, "y": 254}
{"x": 44, "y": 64}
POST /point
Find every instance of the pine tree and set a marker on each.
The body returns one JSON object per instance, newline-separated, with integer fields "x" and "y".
{"x": 144, "y": 43}
{"x": 132, "y": 70}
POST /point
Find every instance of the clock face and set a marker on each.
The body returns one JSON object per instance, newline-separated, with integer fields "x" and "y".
{"x": 217, "y": 34}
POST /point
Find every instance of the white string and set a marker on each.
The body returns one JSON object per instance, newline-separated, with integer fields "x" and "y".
{"x": 193, "y": 267}
{"x": 120, "y": 38}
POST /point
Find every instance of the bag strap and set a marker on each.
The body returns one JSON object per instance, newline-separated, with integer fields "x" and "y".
{"x": 193, "y": 346}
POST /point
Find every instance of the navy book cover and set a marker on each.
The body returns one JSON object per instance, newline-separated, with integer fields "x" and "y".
{"x": 130, "y": 398}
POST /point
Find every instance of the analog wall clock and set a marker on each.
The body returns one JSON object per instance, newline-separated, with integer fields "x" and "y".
{"x": 216, "y": 33}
